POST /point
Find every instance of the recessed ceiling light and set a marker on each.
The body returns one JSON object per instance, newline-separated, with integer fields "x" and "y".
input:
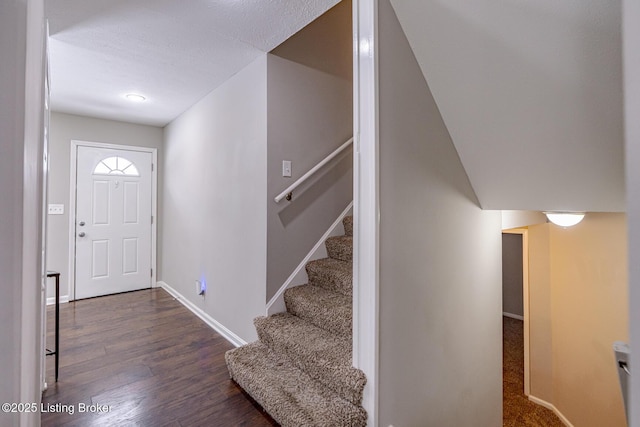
{"x": 134, "y": 97}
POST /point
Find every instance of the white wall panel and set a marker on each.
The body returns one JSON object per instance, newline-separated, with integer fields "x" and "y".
{"x": 214, "y": 211}
{"x": 531, "y": 93}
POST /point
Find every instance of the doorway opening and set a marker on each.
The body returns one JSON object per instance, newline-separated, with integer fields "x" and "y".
{"x": 515, "y": 325}
{"x": 515, "y": 288}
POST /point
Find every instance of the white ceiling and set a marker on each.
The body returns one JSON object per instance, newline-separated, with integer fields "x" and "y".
{"x": 171, "y": 51}
{"x": 531, "y": 92}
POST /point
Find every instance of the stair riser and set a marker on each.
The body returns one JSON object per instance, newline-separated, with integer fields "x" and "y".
{"x": 347, "y": 222}
{"x": 330, "y": 279}
{"x": 322, "y": 317}
{"x": 341, "y": 249}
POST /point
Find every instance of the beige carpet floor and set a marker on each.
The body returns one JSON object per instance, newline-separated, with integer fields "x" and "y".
{"x": 518, "y": 411}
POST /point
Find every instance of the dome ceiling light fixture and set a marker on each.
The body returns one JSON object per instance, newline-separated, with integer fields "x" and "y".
{"x": 565, "y": 219}
{"x": 135, "y": 97}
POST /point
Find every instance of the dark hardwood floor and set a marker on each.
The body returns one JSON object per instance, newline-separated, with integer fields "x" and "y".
{"x": 147, "y": 358}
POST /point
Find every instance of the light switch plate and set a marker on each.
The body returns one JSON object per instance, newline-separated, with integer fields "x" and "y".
{"x": 286, "y": 168}
{"x": 56, "y": 210}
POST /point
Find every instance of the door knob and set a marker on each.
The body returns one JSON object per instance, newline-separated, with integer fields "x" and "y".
{"x": 81, "y": 224}
{"x": 81, "y": 234}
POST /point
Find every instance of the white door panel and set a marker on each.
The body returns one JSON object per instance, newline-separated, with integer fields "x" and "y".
{"x": 113, "y": 221}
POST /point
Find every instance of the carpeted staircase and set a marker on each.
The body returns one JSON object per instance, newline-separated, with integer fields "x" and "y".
{"x": 300, "y": 370}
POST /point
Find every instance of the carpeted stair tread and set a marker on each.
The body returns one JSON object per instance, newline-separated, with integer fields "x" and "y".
{"x": 324, "y": 356}
{"x": 288, "y": 394}
{"x": 340, "y": 247}
{"x": 324, "y": 308}
{"x": 347, "y": 222}
{"x": 332, "y": 274}
{"x": 301, "y": 370}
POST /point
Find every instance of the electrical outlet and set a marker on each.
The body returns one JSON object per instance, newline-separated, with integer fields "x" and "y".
{"x": 201, "y": 287}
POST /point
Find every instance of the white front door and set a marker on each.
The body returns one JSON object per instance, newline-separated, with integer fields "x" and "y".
{"x": 113, "y": 221}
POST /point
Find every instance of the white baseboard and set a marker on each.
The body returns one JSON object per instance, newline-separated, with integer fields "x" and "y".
{"x": 299, "y": 275}
{"x": 213, "y": 323}
{"x": 551, "y": 407}
{"x": 63, "y": 300}
{"x": 513, "y": 316}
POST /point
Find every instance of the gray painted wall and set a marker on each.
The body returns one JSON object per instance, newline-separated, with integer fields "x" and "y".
{"x": 12, "y": 42}
{"x": 214, "y": 214}
{"x": 309, "y": 98}
{"x": 512, "y": 274}
{"x": 440, "y": 261}
{"x": 21, "y": 190}
{"x": 63, "y": 129}
{"x": 631, "y": 25}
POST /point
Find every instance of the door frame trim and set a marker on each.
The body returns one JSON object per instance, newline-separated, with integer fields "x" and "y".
{"x": 366, "y": 203}
{"x": 525, "y": 302}
{"x": 72, "y": 205}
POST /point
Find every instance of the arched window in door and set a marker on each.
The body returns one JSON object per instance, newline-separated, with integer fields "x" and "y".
{"x": 116, "y": 166}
